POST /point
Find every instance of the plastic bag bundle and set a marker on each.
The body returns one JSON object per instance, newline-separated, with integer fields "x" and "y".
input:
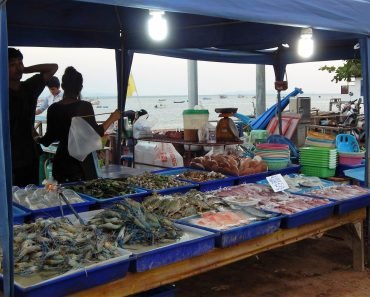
{"x": 82, "y": 139}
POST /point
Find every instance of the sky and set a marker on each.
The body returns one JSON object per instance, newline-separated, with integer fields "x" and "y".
{"x": 155, "y": 75}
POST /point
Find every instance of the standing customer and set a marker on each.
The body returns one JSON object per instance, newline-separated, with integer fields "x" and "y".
{"x": 59, "y": 117}
{"x": 56, "y": 95}
{"x": 22, "y": 104}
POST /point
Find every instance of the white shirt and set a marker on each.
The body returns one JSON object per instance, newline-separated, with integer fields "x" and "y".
{"x": 49, "y": 100}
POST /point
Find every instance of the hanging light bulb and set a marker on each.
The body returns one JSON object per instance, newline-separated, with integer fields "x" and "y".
{"x": 157, "y": 25}
{"x": 305, "y": 43}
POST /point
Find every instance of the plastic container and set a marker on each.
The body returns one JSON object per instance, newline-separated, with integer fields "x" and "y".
{"x": 350, "y": 160}
{"x": 318, "y": 171}
{"x": 205, "y": 186}
{"x": 239, "y": 234}
{"x": 196, "y": 243}
{"x": 194, "y": 119}
{"x": 77, "y": 280}
{"x": 258, "y": 136}
{"x": 102, "y": 203}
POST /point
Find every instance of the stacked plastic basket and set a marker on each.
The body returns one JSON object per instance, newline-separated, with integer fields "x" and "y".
{"x": 276, "y": 155}
{"x": 318, "y": 161}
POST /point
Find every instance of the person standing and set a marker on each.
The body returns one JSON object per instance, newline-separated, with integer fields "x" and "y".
{"x": 23, "y": 97}
{"x": 56, "y": 95}
{"x": 59, "y": 118}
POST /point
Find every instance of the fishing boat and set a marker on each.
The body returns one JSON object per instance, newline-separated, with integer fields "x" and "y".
{"x": 223, "y": 96}
{"x": 206, "y": 98}
{"x": 162, "y": 99}
{"x": 178, "y": 101}
{"x": 160, "y": 105}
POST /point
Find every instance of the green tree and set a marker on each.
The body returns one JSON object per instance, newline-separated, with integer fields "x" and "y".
{"x": 351, "y": 68}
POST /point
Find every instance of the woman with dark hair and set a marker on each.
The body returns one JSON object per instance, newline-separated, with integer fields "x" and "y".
{"x": 59, "y": 117}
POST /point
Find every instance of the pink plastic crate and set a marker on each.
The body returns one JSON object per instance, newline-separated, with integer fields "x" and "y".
{"x": 350, "y": 160}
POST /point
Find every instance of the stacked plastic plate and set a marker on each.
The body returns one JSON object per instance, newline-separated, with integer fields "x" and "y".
{"x": 276, "y": 155}
{"x": 318, "y": 161}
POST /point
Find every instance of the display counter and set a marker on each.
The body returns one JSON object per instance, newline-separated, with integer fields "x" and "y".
{"x": 139, "y": 282}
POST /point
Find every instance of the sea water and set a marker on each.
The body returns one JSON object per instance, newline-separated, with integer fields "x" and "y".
{"x": 168, "y": 112}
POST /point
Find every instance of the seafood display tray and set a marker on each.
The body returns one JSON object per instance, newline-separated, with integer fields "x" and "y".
{"x": 288, "y": 170}
{"x": 102, "y": 203}
{"x": 19, "y": 215}
{"x": 77, "y": 280}
{"x": 308, "y": 216}
{"x": 304, "y": 189}
{"x": 232, "y": 236}
{"x": 195, "y": 242}
{"x": 205, "y": 186}
{"x": 167, "y": 191}
{"x": 56, "y": 211}
{"x": 347, "y": 205}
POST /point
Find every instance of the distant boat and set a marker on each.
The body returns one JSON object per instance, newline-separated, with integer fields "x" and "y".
{"x": 162, "y": 99}
{"x": 241, "y": 96}
{"x": 207, "y": 98}
{"x": 178, "y": 101}
{"x": 160, "y": 105}
{"x": 223, "y": 96}
{"x": 102, "y": 106}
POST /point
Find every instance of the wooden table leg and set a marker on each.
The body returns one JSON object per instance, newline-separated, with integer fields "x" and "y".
{"x": 354, "y": 235}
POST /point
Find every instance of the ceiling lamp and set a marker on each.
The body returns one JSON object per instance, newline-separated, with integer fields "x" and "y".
{"x": 305, "y": 43}
{"x": 157, "y": 25}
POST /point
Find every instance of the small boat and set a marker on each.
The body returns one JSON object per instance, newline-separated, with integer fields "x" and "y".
{"x": 223, "y": 96}
{"x": 241, "y": 96}
{"x": 206, "y": 98}
{"x": 178, "y": 101}
{"x": 102, "y": 106}
{"x": 160, "y": 105}
{"x": 162, "y": 99}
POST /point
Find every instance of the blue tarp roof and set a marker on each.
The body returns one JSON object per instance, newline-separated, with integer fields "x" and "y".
{"x": 222, "y": 30}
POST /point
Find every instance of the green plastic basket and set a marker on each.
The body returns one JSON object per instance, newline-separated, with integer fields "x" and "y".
{"x": 318, "y": 171}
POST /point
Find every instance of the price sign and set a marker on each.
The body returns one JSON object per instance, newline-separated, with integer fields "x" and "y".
{"x": 277, "y": 182}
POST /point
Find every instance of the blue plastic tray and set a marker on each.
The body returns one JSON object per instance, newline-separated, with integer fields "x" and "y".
{"x": 19, "y": 215}
{"x": 80, "y": 279}
{"x": 203, "y": 186}
{"x": 252, "y": 178}
{"x": 239, "y": 234}
{"x": 182, "y": 189}
{"x": 170, "y": 253}
{"x": 326, "y": 183}
{"x": 349, "y": 204}
{"x": 308, "y": 216}
{"x": 56, "y": 211}
{"x": 102, "y": 203}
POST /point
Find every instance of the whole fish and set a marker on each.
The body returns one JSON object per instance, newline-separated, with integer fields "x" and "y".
{"x": 260, "y": 214}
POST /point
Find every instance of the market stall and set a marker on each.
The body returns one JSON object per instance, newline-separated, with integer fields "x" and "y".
{"x": 203, "y": 31}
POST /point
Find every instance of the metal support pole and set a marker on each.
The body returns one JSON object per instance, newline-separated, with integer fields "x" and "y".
{"x": 260, "y": 89}
{"x": 192, "y": 83}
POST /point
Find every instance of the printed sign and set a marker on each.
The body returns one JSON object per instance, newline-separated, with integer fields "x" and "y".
{"x": 277, "y": 182}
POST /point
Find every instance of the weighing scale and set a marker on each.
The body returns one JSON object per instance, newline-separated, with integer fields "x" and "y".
{"x": 226, "y": 129}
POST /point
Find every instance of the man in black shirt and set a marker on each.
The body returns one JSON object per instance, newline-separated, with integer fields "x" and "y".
{"x": 22, "y": 105}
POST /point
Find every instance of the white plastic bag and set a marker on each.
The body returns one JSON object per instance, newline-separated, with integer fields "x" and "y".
{"x": 143, "y": 126}
{"x": 82, "y": 139}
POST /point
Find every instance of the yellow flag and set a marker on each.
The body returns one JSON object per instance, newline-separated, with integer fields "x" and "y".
{"x": 131, "y": 88}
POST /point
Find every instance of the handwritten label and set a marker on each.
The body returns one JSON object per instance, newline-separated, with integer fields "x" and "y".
{"x": 277, "y": 182}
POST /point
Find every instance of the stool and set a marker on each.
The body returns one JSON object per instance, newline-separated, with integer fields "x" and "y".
{"x": 127, "y": 159}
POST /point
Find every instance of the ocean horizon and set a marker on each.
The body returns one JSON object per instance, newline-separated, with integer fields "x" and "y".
{"x": 167, "y": 110}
